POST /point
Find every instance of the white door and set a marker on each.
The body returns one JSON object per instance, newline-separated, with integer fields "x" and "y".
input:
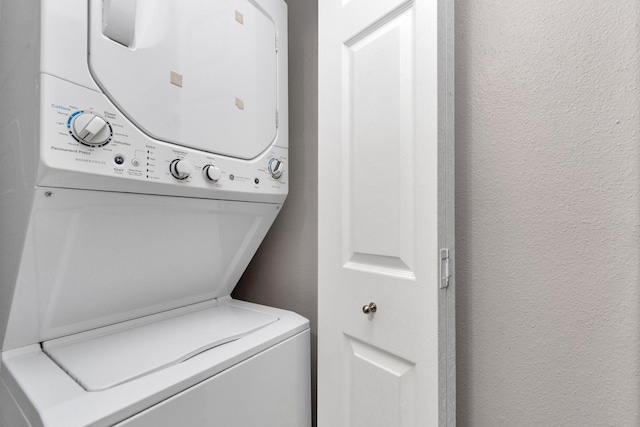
{"x": 386, "y": 214}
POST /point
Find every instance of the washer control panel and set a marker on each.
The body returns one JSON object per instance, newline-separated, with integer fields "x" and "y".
{"x": 92, "y": 137}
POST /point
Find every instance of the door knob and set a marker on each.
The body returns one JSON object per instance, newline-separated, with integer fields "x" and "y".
{"x": 369, "y": 308}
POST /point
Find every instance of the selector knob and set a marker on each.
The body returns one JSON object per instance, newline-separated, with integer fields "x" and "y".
{"x": 181, "y": 169}
{"x": 275, "y": 168}
{"x": 91, "y": 129}
{"x": 212, "y": 173}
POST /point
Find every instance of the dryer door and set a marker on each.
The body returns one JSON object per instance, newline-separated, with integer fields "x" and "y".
{"x": 202, "y": 74}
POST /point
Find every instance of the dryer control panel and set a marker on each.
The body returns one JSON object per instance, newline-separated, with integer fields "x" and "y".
{"x": 87, "y": 143}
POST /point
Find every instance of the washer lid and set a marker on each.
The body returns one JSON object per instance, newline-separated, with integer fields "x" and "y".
{"x": 116, "y": 354}
{"x": 202, "y": 74}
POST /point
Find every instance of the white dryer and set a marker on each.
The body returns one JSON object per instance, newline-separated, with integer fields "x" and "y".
{"x": 143, "y": 158}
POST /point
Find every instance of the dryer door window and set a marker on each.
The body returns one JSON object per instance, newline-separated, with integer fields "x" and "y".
{"x": 202, "y": 74}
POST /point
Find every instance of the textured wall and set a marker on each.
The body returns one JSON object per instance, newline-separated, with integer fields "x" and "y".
{"x": 547, "y": 178}
{"x": 284, "y": 271}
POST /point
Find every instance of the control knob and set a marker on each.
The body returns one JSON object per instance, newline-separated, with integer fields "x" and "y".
{"x": 90, "y": 129}
{"x": 212, "y": 173}
{"x": 275, "y": 168}
{"x": 181, "y": 169}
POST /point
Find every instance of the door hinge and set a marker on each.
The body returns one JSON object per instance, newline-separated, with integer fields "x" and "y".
{"x": 276, "y": 43}
{"x": 445, "y": 272}
{"x": 277, "y": 119}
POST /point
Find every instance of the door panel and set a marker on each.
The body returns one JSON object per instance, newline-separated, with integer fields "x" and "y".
{"x": 370, "y": 370}
{"x": 378, "y": 125}
{"x": 385, "y": 211}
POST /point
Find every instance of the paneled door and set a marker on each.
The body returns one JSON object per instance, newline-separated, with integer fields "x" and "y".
{"x": 386, "y": 330}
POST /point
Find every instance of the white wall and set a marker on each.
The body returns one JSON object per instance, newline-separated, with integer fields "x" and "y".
{"x": 548, "y": 193}
{"x": 548, "y": 199}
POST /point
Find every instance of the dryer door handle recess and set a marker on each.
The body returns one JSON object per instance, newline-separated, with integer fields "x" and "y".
{"x": 118, "y": 20}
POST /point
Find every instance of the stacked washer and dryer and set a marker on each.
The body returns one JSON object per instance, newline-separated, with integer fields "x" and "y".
{"x": 143, "y": 158}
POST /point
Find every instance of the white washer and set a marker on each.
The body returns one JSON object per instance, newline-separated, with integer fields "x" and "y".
{"x": 144, "y": 158}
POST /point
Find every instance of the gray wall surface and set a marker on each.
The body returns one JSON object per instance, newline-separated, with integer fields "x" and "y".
{"x": 547, "y": 179}
{"x": 284, "y": 271}
{"x": 547, "y": 200}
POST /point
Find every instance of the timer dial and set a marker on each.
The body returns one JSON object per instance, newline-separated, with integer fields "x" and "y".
{"x": 90, "y": 129}
{"x": 275, "y": 168}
